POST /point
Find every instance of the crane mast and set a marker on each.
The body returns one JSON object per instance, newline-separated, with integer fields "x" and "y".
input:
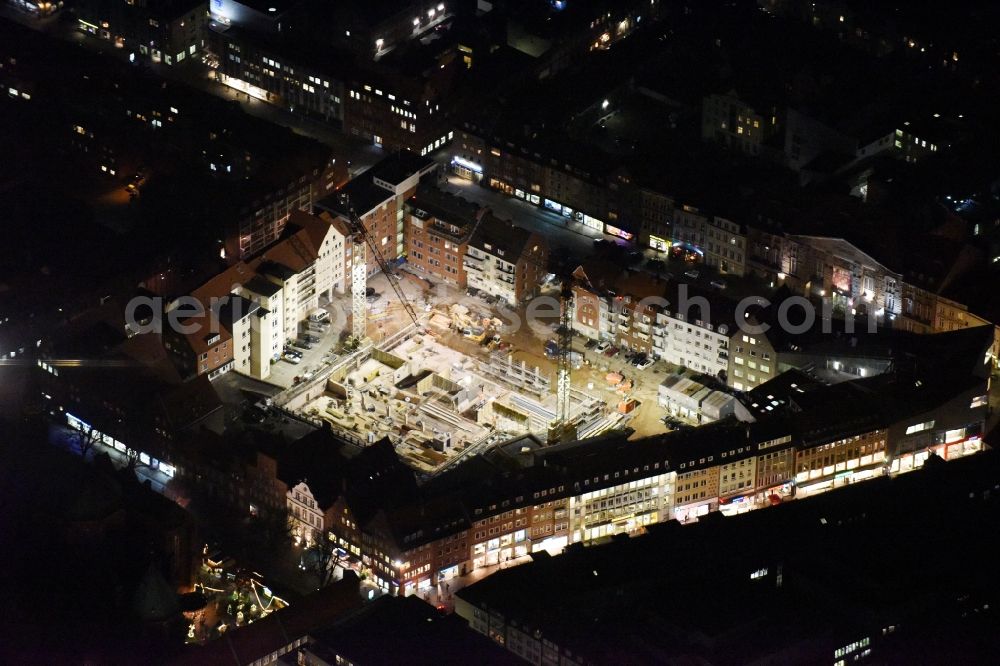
{"x": 359, "y": 286}
{"x": 359, "y": 275}
{"x": 561, "y": 429}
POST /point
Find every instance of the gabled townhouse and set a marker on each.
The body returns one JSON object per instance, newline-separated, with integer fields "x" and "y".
{"x": 254, "y": 307}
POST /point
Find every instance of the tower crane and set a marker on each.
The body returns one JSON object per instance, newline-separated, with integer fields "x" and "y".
{"x": 360, "y": 238}
{"x": 561, "y": 428}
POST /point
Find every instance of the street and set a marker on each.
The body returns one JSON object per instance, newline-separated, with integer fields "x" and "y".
{"x": 564, "y": 236}
{"x": 193, "y": 72}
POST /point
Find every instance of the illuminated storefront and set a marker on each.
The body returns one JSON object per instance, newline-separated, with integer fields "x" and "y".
{"x": 659, "y": 244}
{"x": 112, "y": 443}
{"x": 593, "y": 223}
{"x": 620, "y": 233}
{"x": 239, "y": 84}
{"x": 467, "y": 169}
{"x": 502, "y": 186}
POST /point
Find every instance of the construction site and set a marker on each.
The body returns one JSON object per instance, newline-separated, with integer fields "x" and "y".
{"x": 437, "y": 404}
{"x": 443, "y": 385}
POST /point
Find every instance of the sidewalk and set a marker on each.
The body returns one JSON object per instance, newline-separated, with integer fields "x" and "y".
{"x": 443, "y": 595}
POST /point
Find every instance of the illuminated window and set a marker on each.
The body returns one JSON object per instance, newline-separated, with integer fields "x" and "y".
{"x": 919, "y": 427}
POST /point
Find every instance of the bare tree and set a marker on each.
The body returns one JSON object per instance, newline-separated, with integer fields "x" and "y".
{"x": 85, "y": 440}
{"x": 322, "y": 559}
{"x": 133, "y": 460}
{"x": 271, "y": 529}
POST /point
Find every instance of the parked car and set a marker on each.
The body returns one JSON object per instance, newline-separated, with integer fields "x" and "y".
{"x": 611, "y": 351}
{"x": 602, "y": 346}
{"x": 294, "y": 360}
{"x": 645, "y": 363}
{"x": 693, "y": 274}
{"x": 719, "y": 284}
{"x": 590, "y": 344}
{"x": 551, "y": 349}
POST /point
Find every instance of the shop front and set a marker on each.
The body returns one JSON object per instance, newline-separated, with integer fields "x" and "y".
{"x": 731, "y": 506}
{"x": 659, "y": 244}
{"x": 618, "y": 232}
{"x": 466, "y": 169}
{"x": 497, "y": 184}
{"x": 687, "y": 252}
{"x": 691, "y": 512}
{"x": 593, "y": 223}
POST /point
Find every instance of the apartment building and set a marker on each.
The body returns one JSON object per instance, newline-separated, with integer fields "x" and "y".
{"x": 377, "y": 197}
{"x": 400, "y": 112}
{"x": 287, "y": 73}
{"x": 642, "y": 312}
{"x": 252, "y": 308}
{"x": 720, "y": 243}
{"x": 130, "y": 399}
{"x": 697, "y": 340}
{"x": 162, "y": 31}
{"x": 752, "y": 361}
{"x": 505, "y": 261}
{"x": 731, "y": 122}
{"x": 656, "y": 217}
{"x": 904, "y": 142}
{"x": 438, "y": 227}
{"x": 632, "y": 311}
{"x": 593, "y": 283}
{"x": 581, "y": 185}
